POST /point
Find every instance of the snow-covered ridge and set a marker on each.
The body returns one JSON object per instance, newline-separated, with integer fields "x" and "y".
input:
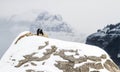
{"x": 32, "y": 53}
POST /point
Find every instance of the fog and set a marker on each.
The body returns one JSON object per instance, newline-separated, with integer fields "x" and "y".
{"x": 85, "y": 16}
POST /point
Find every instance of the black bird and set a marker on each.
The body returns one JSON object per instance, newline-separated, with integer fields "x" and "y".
{"x": 40, "y": 31}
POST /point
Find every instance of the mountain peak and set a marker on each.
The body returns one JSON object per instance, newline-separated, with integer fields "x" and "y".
{"x": 32, "y": 53}
{"x": 49, "y": 22}
{"x": 46, "y": 16}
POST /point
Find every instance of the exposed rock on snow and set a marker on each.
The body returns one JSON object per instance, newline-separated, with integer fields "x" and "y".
{"x": 34, "y": 53}
{"x": 29, "y": 34}
{"x": 29, "y": 58}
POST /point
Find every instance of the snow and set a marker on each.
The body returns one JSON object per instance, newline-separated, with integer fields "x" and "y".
{"x": 30, "y": 44}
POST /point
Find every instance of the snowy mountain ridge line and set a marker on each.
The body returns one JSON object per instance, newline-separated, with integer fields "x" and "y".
{"x": 34, "y": 53}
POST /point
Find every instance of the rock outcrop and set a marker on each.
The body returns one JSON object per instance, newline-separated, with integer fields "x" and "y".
{"x": 32, "y": 53}
{"x": 109, "y": 39}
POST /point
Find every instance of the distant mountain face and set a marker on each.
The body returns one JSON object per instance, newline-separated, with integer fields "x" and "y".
{"x": 34, "y": 53}
{"x": 107, "y": 38}
{"x": 48, "y": 22}
{"x": 52, "y": 24}
{"x": 56, "y": 28}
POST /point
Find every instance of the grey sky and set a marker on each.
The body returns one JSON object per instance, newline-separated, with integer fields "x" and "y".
{"x": 84, "y": 15}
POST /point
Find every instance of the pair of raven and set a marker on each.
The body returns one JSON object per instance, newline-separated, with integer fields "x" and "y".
{"x": 39, "y": 31}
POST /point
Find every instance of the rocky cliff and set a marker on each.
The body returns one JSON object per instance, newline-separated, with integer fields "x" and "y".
{"x": 107, "y": 38}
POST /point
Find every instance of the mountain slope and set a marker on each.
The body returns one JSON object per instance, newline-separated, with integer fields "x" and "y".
{"x": 107, "y": 38}
{"x": 32, "y": 53}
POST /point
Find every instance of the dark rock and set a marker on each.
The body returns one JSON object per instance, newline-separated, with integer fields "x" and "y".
{"x": 108, "y": 39}
{"x": 113, "y": 49}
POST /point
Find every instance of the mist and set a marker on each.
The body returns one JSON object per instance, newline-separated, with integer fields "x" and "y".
{"x": 84, "y": 16}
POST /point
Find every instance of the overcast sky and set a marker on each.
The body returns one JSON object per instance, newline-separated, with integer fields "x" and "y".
{"x": 85, "y": 15}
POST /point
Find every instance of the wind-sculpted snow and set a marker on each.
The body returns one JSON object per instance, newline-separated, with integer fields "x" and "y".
{"x": 34, "y": 53}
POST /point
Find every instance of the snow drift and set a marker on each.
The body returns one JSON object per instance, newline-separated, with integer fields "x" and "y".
{"x": 32, "y": 53}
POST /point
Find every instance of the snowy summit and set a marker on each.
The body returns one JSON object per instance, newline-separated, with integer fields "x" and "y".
{"x": 32, "y": 53}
